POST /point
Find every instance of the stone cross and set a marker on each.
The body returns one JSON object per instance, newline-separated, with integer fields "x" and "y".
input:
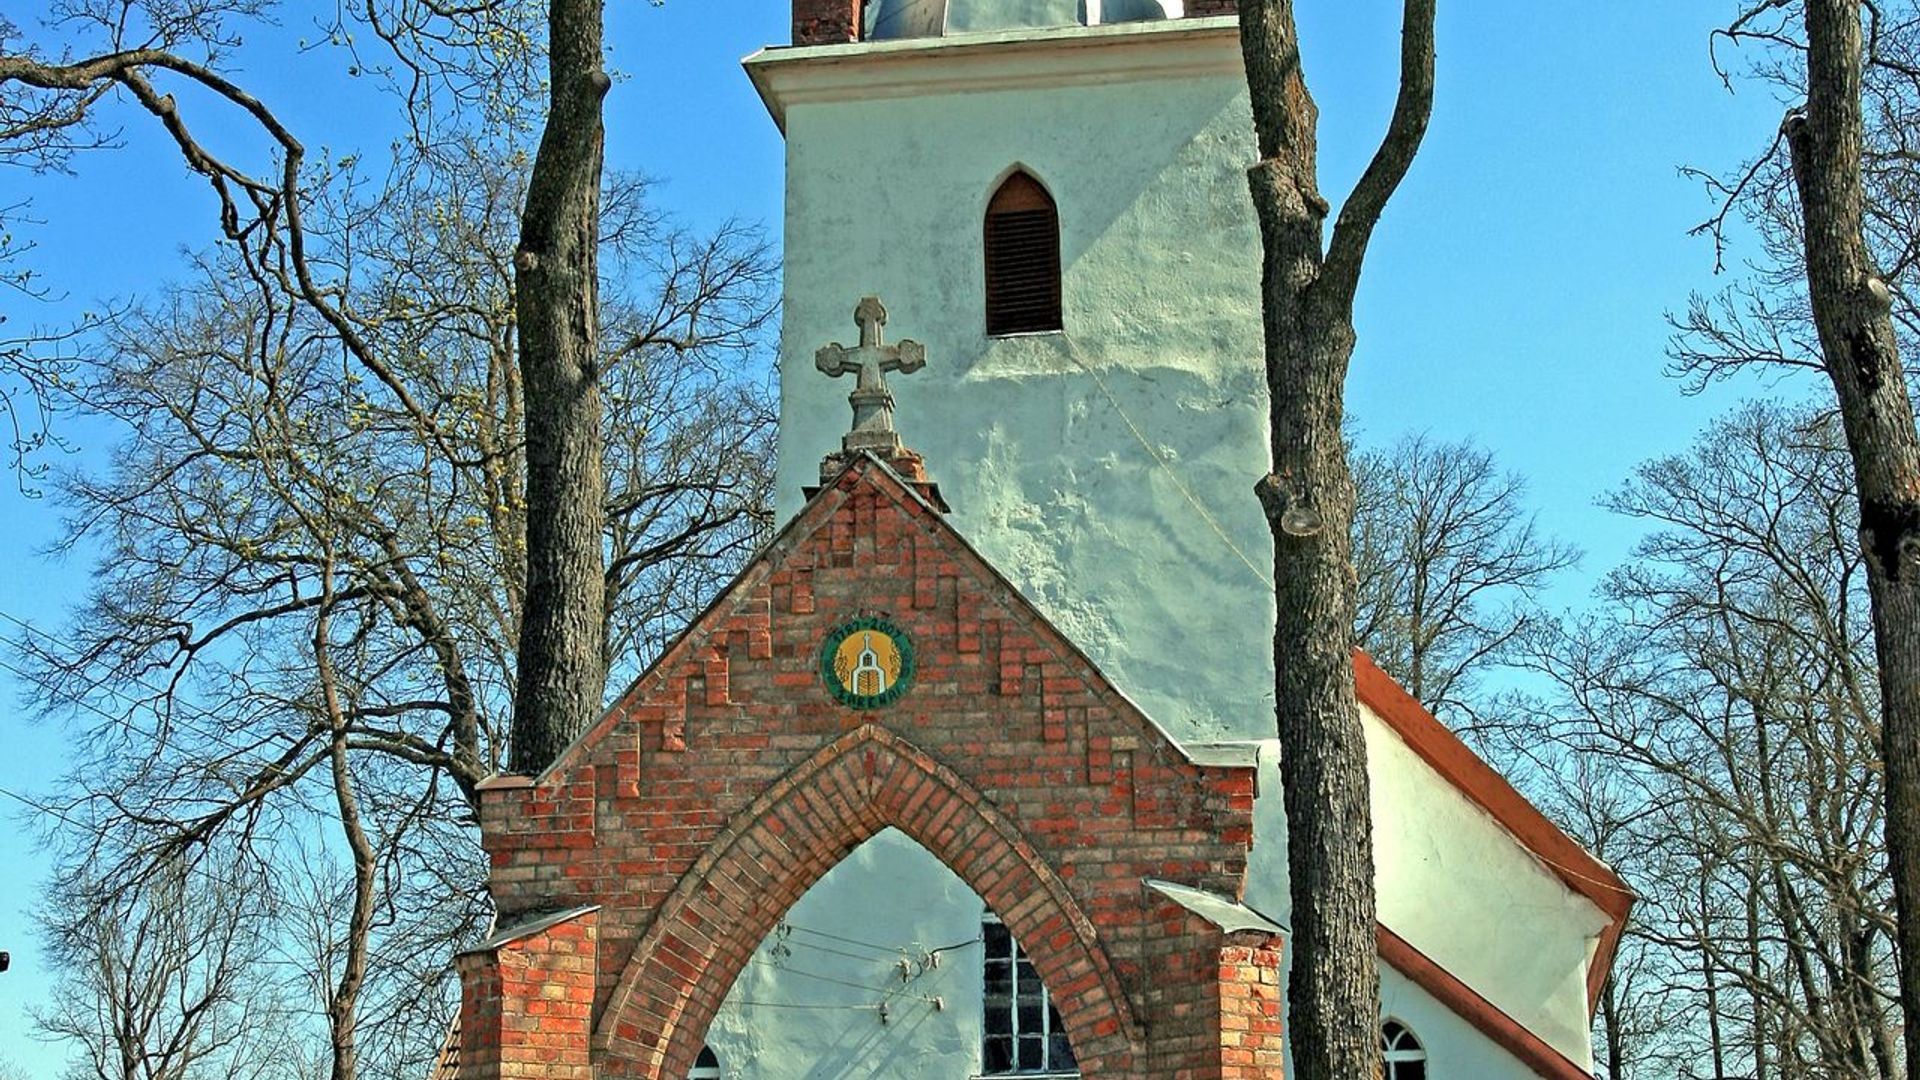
{"x": 870, "y": 361}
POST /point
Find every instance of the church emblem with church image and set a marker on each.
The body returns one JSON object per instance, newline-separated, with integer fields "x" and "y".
{"x": 867, "y": 663}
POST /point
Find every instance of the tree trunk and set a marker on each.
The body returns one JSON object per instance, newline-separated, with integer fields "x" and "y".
{"x": 1334, "y": 990}
{"x": 1307, "y": 301}
{"x": 562, "y": 672}
{"x": 1610, "y": 1032}
{"x": 1851, "y": 310}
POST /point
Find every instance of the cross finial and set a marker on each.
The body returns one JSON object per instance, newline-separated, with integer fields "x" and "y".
{"x": 869, "y": 362}
{"x": 871, "y": 317}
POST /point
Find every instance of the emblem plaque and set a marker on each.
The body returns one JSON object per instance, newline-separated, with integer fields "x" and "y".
{"x": 866, "y": 663}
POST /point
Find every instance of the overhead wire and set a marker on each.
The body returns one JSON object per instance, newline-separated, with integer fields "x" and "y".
{"x": 1166, "y": 466}
{"x": 190, "y": 709}
{"x": 886, "y": 993}
{"x": 890, "y": 950}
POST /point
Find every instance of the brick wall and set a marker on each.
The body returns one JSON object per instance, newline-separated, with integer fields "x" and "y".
{"x": 727, "y": 781}
{"x": 1197, "y": 8}
{"x": 527, "y": 1005}
{"x": 826, "y": 22}
{"x": 1250, "y": 1009}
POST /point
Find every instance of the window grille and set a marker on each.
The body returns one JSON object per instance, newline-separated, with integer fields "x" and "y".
{"x": 1023, "y": 1032}
{"x": 1023, "y": 258}
{"x": 1406, "y": 1059}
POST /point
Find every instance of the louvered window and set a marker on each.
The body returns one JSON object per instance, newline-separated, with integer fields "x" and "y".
{"x": 1023, "y": 258}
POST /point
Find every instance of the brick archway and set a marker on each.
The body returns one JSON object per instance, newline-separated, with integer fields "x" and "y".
{"x": 775, "y": 848}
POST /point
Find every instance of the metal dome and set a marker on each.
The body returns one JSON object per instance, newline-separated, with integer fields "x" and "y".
{"x": 889, "y": 20}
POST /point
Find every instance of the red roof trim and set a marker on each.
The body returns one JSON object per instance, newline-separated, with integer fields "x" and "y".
{"x": 1452, "y": 759}
{"x": 1510, "y": 1034}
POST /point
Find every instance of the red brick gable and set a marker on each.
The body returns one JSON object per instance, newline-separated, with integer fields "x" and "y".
{"x": 727, "y": 780}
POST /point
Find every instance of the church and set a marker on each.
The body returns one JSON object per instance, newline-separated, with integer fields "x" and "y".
{"x": 971, "y": 772}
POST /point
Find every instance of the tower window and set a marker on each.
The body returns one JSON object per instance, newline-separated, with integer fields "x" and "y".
{"x": 1023, "y": 258}
{"x": 1023, "y": 1032}
{"x": 1406, "y": 1059}
{"x": 706, "y": 1066}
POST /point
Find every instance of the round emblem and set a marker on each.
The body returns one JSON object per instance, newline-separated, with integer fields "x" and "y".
{"x": 866, "y": 663}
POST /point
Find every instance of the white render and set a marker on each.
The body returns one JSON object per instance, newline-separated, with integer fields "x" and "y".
{"x": 891, "y": 159}
{"x": 1107, "y": 471}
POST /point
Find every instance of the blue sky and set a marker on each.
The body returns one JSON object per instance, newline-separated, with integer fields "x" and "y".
{"x": 1514, "y": 294}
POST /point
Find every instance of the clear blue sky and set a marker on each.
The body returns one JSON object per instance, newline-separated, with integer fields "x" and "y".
{"x": 1514, "y": 294}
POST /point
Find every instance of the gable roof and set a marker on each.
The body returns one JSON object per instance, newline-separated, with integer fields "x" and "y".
{"x": 867, "y": 469}
{"x": 1431, "y": 740}
{"x": 1448, "y": 756}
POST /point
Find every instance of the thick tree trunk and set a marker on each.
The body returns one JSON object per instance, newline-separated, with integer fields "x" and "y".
{"x": 1851, "y": 310}
{"x": 1334, "y": 990}
{"x": 562, "y": 672}
{"x": 1307, "y": 298}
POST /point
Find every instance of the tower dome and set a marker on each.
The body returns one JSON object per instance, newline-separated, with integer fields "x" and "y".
{"x": 895, "y": 19}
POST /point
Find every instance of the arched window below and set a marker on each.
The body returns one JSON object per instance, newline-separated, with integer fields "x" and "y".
{"x": 1022, "y": 240}
{"x": 706, "y": 1066}
{"x": 1406, "y": 1059}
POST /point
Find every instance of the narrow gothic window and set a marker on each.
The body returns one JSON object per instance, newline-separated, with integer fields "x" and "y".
{"x": 706, "y": 1066}
{"x": 1024, "y": 1035}
{"x": 1023, "y": 258}
{"x": 1406, "y": 1059}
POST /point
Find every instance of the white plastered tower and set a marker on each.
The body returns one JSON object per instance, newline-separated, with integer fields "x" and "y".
{"x": 1107, "y": 467}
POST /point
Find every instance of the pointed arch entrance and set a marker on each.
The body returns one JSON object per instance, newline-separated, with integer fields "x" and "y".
{"x": 656, "y": 1019}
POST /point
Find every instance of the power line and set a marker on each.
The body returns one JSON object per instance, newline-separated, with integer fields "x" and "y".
{"x": 101, "y": 684}
{"x": 887, "y": 993}
{"x": 890, "y": 950}
{"x": 63, "y": 643}
{"x": 45, "y": 809}
{"x": 125, "y": 722}
{"x": 1166, "y": 466}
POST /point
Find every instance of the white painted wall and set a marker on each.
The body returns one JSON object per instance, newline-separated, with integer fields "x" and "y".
{"x": 1107, "y": 471}
{"x": 886, "y": 195}
{"x": 1455, "y": 1049}
{"x": 808, "y": 1013}
{"x": 1459, "y": 887}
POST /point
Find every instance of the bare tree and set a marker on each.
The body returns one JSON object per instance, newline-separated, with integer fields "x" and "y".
{"x": 1308, "y": 283}
{"x": 1715, "y": 734}
{"x": 310, "y": 604}
{"x": 369, "y": 483}
{"x": 171, "y": 983}
{"x": 1447, "y": 563}
{"x": 1832, "y": 200}
{"x": 436, "y": 57}
{"x": 306, "y": 601}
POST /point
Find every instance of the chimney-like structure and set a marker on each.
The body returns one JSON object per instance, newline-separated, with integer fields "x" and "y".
{"x": 826, "y": 22}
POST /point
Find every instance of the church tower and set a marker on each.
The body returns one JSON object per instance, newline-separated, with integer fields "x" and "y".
{"x": 1050, "y": 195}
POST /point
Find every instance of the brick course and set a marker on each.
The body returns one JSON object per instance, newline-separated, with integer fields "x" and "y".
{"x": 727, "y": 781}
